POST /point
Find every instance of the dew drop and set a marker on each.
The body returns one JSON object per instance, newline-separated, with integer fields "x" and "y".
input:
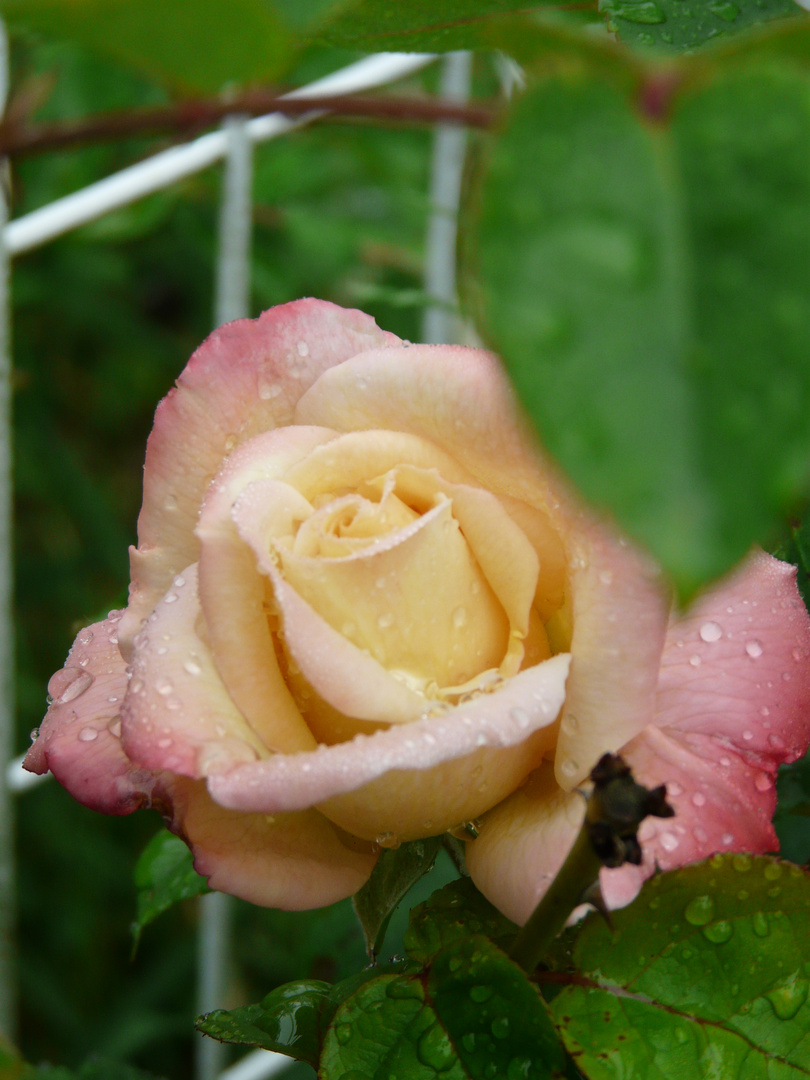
{"x": 759, "y": 924}
{"x": 85, "y": 636}
{"x": 727, "y": 838}
{"x": 435, "y": 1050}
{"x": 500, "y": 1027}
{"x": 385, "y": 621}
{"x": 754, "y": 648}
{"x": 772, "y": 872}
{"x": 343, "y": 1032}
{"x": 68, "y": 684}
{"x": 479, "y": 994}
{"x": 164, "y": 688}
{"x": 114, "y": 727}
{"x": 302, "y": 348}
{"x": 388, "y": 840}
{"x": 170, "y": 503}
{"x": 669, "y": 841}
{"x": 521, "y": 717}
{"x": 699, "y": 910}
{"x": 748, "y": 735}
{"x": 606, "y": 577}
{"x": 88, "y": 734}
{"x": 459, "y": 617}
{"x": 711, "y": 631}
{"x": 763, "y": 782}
{"x": 741, "y": 862}
{"x": 192, "y": 667}
{"x": 718, "y": 932}
{"x": 674, "y": 789}
{"x": 569, "y": 767}
{"x": 694, "y": 660}
{"x": 170, "y": 598}
{"x": 698, "y": 799}
{"x": 776, "y": 742}
{"x": 786, "y": 1000}
{"x": 468, "y": 1042}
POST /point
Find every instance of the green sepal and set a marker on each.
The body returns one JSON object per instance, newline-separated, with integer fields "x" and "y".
{"x": 164, "y": 875}
{"x": 397, "y": 869}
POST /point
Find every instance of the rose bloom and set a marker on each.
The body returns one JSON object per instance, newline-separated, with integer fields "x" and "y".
{"x": 365, "y": 609}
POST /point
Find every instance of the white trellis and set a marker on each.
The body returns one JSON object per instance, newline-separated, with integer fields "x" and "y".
{"x": 234, "y": 143}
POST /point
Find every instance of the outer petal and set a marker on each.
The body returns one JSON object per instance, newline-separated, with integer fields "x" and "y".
{"x": 396, "y": 778}
{"x": 232, "y": 591}
{"x": 294, "y": 862}
{"x": 461, "y": 400}
{"x": 79, "y": 740}
{"x": 177, "y": 715}
{"x": 244, "y": 379}
{"x": 524, "y": 842}
{"x": 737, "y": 667}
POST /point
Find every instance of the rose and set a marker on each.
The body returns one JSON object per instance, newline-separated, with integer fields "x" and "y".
{"x": 356, "y": 594}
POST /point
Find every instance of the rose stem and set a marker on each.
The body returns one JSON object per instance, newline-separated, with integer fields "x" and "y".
{"x": 614, "y": 810}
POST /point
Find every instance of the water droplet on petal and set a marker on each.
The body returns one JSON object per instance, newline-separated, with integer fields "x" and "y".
{"x": 569, "y": 767}
{"x": 521, "y": 717}
{"x": 302, "y": 348}
{"x": 88, "y": 734}
{"x": 85, "y": 636}
{"x": 754, "y": 648}
{"x": 114, "y": 727}
{"x": 674, "y": 789}
{"x": 164, "y": 688}
{"x": 669, "y": 841}
{"x": 763, "y": 782}
{"x": 711, "y": 631}
{"x": 748, "y": 735}
{"x": 67, "y": 684}
{"x": 192, "y": 667}
{"x": 695, "y": 660}
{"x": 727, "y": 838}
{"x": 459, "y": 617}
{"x": 386, "y": 620}
{"x": 698, "y": 799}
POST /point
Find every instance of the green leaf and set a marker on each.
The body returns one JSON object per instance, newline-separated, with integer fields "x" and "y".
{"x": 673, "y": 26}
{"x": 290, "y": 1020}
{"x": 95, "y": 1068}
{"x": 707, "y": 970}
{"x": 452, "y": 914}
{"x": 396, "y": 871}
{"x": 420, "y": 25}
{"x": 164, "y": 875}
{"x": 293, "y": 1018}
{"x": 648, "y": 286}
{"x": 199, "y": 45}
{"x": 475, "y": 1015}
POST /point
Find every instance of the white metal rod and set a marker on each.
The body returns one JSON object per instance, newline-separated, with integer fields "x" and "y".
{"x": 165, "y": 168}
{"x": 8, "y": 982}
{"x": 441, "y": 323}
{"x": 231, "y": 301}
{"x": 258, "y": 1065}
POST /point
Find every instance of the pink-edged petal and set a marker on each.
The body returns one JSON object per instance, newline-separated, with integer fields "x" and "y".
{"x": 390, "y": 774}
{"x": 245, "y": 378}
{"x": 737, "y": 666}
{"x": 177, "y": 716}
{"x": 523, "y": 843}
{"x": 232, "y": 591}
{"x": 79, "y": 739}
{"x": 293, "y": 862}
{"x": 461, "y": 400}
{"x": 722, "y": 801}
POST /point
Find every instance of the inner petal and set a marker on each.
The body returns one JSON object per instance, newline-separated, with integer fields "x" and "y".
{"x": 415, "y": 598}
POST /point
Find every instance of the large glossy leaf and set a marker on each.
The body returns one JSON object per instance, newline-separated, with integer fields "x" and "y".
{"x": 646, "y": 280}
{"x": 473, "y": 1016}
{"x": 199, "y": 45}
{"x": 452, "y": 914}
{"x": 674, "y": 26}
{"x": 705, "y": 974}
